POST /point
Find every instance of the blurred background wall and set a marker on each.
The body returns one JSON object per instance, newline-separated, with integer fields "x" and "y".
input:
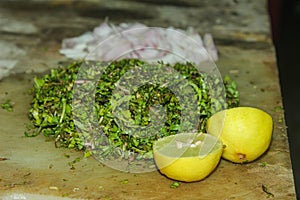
{"x": 285, "y": 20}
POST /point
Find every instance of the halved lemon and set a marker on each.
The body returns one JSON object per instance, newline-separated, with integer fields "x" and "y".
{"x": 246, "y": 132}
{"x": 187, "y": 157}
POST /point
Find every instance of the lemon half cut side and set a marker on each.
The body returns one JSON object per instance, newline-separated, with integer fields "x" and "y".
{"x": 187, "y": 157}
{"x": 246, "y": 132}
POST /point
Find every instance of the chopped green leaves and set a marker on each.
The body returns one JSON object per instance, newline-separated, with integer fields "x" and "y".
{"x": 278, "y": 108}
{"x": 51, "y": 108}
{"x": 263, "y": 164}
{"x": 124, "y": 182}
{"x": 7, "y": 105}
{"x": 175, "y": 184}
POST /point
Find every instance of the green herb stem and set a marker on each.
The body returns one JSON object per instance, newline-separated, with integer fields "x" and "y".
{"x": 63, "y": 110}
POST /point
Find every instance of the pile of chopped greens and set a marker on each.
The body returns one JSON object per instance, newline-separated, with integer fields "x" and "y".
{"x": 51, "y": 107}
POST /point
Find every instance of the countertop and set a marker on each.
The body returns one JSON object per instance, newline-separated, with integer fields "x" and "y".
{"x": 31, "y": 34}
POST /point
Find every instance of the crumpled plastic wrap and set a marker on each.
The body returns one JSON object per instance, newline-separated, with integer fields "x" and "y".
{"x": 135, "y": 40}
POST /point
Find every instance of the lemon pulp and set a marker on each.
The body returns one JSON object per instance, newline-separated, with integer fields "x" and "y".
{"x": 187, "y": 156}
{"x": 246, "y": 132}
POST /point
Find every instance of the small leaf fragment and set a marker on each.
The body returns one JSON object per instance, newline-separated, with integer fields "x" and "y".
{"x": 7, "y": 105}
{"x": 125, "y": 181}
{"x": 263, "y": 164}
{"x": 175, "y": 184}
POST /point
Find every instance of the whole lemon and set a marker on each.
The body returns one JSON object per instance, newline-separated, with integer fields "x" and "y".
{"x": 187, "y": 156}
{"x": 246, "y": 132}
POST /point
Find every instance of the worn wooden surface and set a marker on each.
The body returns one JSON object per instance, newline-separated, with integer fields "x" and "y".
{"x": 31, "y": 33}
